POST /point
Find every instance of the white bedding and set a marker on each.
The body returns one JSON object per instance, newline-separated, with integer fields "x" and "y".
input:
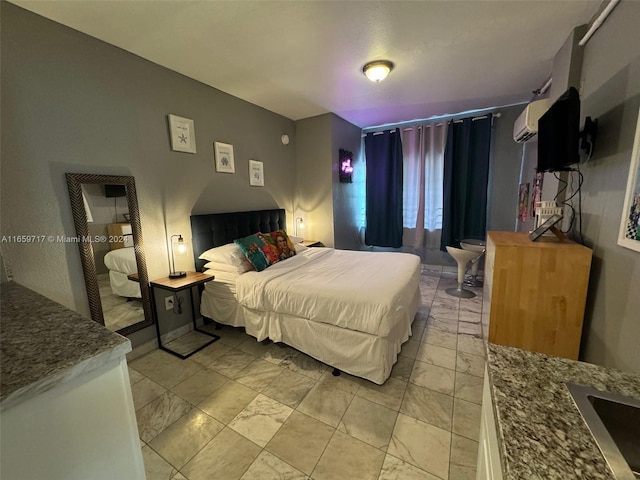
{"x": 351, "y": 310}
{"x": 122, "y": 260}
{"x": 362, "y": 291}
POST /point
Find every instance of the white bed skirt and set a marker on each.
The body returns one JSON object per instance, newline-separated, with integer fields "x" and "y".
{"x": 121, "y": 285}
{"x": 357, "y": 353}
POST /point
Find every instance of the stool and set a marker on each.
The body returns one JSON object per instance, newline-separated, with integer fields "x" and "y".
{"x": 478, "y": 246}
{"x": 462, "y": 257}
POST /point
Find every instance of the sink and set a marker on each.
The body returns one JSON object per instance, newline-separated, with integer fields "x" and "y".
{"x": 614, "y": 421}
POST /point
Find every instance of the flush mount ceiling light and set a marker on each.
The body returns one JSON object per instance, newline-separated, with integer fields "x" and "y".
{"x": 378, "y": 70}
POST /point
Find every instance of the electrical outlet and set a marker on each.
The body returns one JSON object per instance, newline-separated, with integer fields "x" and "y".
{"x": 168, "y": 302}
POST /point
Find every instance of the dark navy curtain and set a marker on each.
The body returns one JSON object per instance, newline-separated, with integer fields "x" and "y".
{"x": 466, "y": 176}
{"x": 384, "y": 189}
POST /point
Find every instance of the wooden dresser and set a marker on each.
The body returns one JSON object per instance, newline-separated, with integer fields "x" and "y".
{"x": 535, "y": 293}
{"x": 120, "y": 235}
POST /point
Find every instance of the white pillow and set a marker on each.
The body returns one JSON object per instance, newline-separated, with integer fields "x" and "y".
{"x": 300, "y": 248}
{"x": 295, "y": 239}
{"x": 225, "y": 267}
{"x": 229, "y": 254}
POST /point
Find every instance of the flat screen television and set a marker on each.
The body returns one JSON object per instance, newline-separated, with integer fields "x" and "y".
{"x": 115, "y": 191}
{"x": 559, "y": 134}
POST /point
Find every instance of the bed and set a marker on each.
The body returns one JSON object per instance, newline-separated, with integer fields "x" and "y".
{"x": 348, "y": 309}
{"x": 122, "y": 262}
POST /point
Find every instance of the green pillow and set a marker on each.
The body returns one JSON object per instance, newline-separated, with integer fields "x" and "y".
{"x": 259, "y": 253}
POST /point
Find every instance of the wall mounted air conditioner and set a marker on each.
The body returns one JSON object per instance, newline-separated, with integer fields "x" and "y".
{"x": 526, "y": 126}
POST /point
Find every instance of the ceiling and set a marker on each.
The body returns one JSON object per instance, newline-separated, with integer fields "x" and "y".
{"x": 304, "y": 58}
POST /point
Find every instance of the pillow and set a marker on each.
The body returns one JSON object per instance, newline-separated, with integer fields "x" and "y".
{"x": 229, "y": 254}
{"x": 225, "y": 267}
{"x": 296, "y": 239}
{"x": 259, "y": 254}
{"x": 281, "y": 243}
{"x": 300, "y": 247}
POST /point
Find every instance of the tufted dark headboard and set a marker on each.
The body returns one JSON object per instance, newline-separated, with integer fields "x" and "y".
{"x": 216, "y": 229}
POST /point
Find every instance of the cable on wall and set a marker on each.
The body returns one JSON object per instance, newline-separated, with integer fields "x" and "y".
{"x": 543, "y": 89}
{"x": 598, "y": 22}
{"x": 569, "y": 203}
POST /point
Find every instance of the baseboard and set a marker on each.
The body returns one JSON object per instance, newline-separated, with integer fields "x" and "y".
{"x": 151, "y": 345}
{"x": 141, "y": 350}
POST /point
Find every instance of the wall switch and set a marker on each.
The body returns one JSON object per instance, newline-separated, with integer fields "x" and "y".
{"x": 168, "y": 302}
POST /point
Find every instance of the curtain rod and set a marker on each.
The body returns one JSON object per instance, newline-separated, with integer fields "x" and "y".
{"x": 410, "y": 125}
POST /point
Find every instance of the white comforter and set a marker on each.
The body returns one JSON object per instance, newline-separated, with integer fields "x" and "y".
{"x": 363, "y": 291}
{"x": 122, "y": 260}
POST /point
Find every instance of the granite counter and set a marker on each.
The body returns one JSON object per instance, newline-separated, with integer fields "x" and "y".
{"x": 44, "y": 344}
{"x": 541, "y": 433}
{"x": 66, "y": 406}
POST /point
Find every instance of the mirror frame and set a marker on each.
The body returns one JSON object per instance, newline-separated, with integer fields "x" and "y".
{"x": 74, "y": 183}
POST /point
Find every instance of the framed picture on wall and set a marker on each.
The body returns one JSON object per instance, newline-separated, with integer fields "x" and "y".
{"x": 183, "y": 135}
{"x": 256, "y": 173}
{"x": 224, "y": 157}
{"x": 629, "y": 234}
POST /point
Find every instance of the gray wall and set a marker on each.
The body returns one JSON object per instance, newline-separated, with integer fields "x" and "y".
{"x": 314, "y": 184}
{"x": 71, "y": 103}
{"x": 505, "y": 171}
{"x": 327, "y": 206}
{"x": 607, "y": 74}
{"x": 346, "y": 199}
{"x": 611, "y": 93}
{"x": 527, "y": 175}
{"x": 3, "y": 272}
{"x": 567, "y": 65}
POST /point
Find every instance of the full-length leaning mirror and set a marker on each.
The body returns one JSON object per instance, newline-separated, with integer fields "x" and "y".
{"x": 107, "y": 221}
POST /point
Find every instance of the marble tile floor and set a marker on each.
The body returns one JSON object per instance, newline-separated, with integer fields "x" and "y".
{"x": 118, "y": 312}
{"x": 240, "y": 409}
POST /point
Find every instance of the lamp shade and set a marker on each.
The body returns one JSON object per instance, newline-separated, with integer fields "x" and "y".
{"x": 298, "y": 225}
{"x": 378, "y": 70}
{"x": 178, "y": 247}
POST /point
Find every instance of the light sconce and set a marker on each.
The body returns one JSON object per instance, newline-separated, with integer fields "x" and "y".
{"x": 346, "y": 167}
{"x": 179, "y": 248}
{"x": 298, "y": 224}
{"x": 378, "y": 70}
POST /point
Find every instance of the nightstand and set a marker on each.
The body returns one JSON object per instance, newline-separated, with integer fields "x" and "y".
{"x": 312, "y": 243}
{"x": 195, "y": 340}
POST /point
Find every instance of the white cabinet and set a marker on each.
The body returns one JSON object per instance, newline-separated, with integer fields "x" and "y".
{"x": 489, "y": 465}
{"x": 79, "y": 430}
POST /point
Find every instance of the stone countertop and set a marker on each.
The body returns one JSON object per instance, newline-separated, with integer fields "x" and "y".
{"x": 44, "y": 344}
{"x": 540, "y": 430}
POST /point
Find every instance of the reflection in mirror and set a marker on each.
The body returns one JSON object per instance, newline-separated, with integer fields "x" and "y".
{"x": 106, "y": 216}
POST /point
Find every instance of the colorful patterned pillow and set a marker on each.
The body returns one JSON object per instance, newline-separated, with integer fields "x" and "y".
{"x": 259, "y": 253}
{"x": 270, "y": 252}
{"x": 281, "y": 243}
